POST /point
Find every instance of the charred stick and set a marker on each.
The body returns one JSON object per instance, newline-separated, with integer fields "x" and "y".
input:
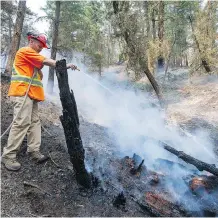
{"x": 137, "y": 164}
{"x": 140, "y": 166}
{"x": 200, "y": 165}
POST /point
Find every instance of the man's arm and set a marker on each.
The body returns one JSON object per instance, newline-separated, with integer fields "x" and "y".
{"x": 52, "y": 63}
{"x": 49, "y": 62}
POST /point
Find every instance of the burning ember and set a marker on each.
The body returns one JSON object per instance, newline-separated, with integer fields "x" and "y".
{"x": 162, "y": 206}
{"x": 198, "y": 183}
{"x": 167, "y": 192}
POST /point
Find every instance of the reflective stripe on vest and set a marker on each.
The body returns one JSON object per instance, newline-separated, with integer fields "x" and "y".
{"x": 17, "y": 77}
{"x": 26, "y": 80}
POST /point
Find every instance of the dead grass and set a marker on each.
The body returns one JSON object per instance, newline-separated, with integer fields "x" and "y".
{"x": 201, "y": 102}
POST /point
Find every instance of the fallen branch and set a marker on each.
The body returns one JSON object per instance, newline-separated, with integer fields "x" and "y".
{"x": 200, "y": 165}
{"x": 46, "y": 130}
{"x": 53, "y": 161}
{"x": 28, "y": 184}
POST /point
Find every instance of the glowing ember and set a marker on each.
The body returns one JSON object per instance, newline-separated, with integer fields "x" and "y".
{"x": 197, "y": 183}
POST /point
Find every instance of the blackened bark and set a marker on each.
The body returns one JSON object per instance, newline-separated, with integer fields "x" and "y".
{"x": 75, "y": 108}
{"x": 70, "y": 122}
{"x": 191, "y": 160}
{"x": 161, "y": 60}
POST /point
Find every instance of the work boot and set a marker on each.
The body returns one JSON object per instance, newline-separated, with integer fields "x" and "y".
{"x": 38, "y": 157}
{"x": 11, "y": 164}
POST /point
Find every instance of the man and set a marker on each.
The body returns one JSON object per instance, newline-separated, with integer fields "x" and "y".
{"x": 27, "y": 69}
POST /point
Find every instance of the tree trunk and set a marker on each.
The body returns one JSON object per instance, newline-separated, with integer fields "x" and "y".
{"x": 17, "y": 35}
{"x": 109, "y": 46}
{"x": 147, "y": 15}
{"x": 155, "y": 86}
{"x": 153, "y": 24}
{"x": 186, "y": 60}
{"x": 127, "y": 35}
{"x": 70, "y": 122}
{"x": 168, "y": 59}
{"x": 50, "y": 83}
{"x": 161, "y": 34}
{"x": 161, "y": 21}
{"x": 10, "y": 28}
{"x": 181, "y": 65}
{"x": 203, "y": 60}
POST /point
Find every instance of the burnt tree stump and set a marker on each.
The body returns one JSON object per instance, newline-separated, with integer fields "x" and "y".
{"x": 70, "y": 123}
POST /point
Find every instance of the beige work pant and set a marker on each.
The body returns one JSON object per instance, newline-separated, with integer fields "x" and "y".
{"x": 27, "y": 123}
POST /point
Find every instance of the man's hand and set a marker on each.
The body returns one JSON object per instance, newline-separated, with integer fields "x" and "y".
{"x": 52, "y": 63}
{"x": 72, "y": 67}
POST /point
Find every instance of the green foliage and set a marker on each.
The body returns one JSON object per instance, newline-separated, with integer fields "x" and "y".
{"x": 86, "y": 19}
{"x": 8, "y": 14}
{"x": 98, "y": 32}
{"x": 8, "y": 17}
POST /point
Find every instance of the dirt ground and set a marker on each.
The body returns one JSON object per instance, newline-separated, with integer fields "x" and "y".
{"x": 193, "y": 104}
{"x": 53, "y": 190}
{"x": 57, "y": 193}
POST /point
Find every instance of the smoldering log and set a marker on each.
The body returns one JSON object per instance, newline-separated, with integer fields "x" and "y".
{"x": 163, "y": 210}
{"x": 148, "y": 208}
{"x": 200, "y": 165}
{"x": 70, "y": 123}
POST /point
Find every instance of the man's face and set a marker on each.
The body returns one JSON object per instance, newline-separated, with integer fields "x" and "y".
{"x": 36, "y": 45}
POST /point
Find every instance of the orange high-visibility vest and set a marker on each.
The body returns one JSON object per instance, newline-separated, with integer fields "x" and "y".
{"x": 27, "y": 61}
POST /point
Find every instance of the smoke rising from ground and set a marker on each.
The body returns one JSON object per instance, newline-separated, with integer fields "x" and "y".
{"x": 135, "y": 126}
{"x": 134, "y": 123}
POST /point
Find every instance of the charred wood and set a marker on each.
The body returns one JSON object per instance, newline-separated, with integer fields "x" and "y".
{"x": 206, "y": 183}
{"x": 154, "y": 179}
{"x": 200, "y": 165}
{"x": 75, "y": 107}
{"x": 70, "y": 122}
{"x": 159, "y": 206}
{"x": 166, "y": 166}
{"x": 137, "y": 164}
{"x": 148, "y": 208}
{"x": 120, "y": 200}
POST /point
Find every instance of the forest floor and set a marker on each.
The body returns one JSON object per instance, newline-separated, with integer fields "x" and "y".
{"x": 193, "y": 103}
{"x": 56, "y": 192}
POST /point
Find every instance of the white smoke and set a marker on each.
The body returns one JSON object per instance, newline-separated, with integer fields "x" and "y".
{"x": 130, "y": 117}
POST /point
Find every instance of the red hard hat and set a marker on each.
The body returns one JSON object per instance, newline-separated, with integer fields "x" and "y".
{"x": 40, "y": 37}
